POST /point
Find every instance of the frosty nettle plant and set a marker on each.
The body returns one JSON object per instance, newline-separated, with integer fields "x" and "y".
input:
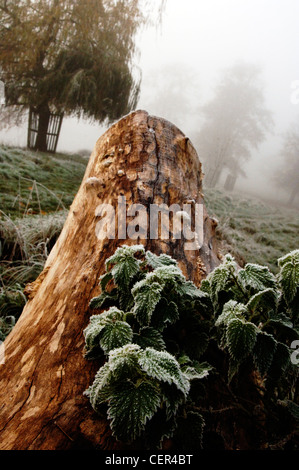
{"x": 157, "y": 329}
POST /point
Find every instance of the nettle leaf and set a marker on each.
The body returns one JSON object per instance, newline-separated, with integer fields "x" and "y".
{"x": 125, "y": 265}
{"x": 104, "y": 279}
{"x": 102, "y": 388}
{"x": 157, "y": 261}
{"x": 149, "y": 337}
{"x": 281, "y": 361}
{"x": 131, "y": 406}
{"x": 288, "y": 276}
{"x": 123, "y": 362}
{"x": 233, "y": 368}
{"x": 221, "y": 279}
{"x": 257, "y": 277}
{"x": 166, "y": 313}
{"x": 292, "y": 407}
{"x": 195, "y": 370}
{"x": 231, "y": 310}
{"x": 115, "y": 335}
{"x": 241, "y": 338}
{"x": 172, "y": 397}
{"x": 146, "y": 297}
{"x": 263, "y": 351}
{"x": 164, "y": 367}
{"x": 264, "y": 300}
{"x": 189, "y": 432}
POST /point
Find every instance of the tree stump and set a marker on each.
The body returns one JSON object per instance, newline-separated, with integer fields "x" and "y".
{"x": 149, "y": 161}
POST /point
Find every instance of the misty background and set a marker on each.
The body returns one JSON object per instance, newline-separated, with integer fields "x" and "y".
{"x": 182, "y": 62}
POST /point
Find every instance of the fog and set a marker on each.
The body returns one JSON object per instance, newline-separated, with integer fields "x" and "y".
{"x": 195, "y": 42}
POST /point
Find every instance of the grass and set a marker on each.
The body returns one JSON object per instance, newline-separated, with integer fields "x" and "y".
{"x": 37, "y": 189}
{"x": 38, "y": 183}
{"x": 252, "y": 230}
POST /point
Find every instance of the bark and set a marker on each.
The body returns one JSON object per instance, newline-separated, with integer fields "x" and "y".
{"x": 45, "y": 374}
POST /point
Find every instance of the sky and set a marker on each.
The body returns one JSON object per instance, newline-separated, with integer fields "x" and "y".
{"x": 201, "y": 38}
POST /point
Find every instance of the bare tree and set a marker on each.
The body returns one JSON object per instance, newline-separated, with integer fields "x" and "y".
{"x": 236, "y": 121}
{"x": 287, "y": 175}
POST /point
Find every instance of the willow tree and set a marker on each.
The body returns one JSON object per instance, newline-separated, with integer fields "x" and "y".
{"x": 71, "y": 57}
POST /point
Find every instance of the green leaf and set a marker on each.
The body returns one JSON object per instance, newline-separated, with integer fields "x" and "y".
{"x": 231, "y": 310}
{"x": 164, "y": 367}
{"x": 233, "y": 368}
{"x": 125, "y": 265}
{"x": 263, "y": 351}
{"x": 123, "y": 362}
{"x": 195, "y": 370}
{"x": 157, "y": 261}
{"x": 241, "y": 337}
{"x": 104, "y": 300}
{"x": 166, "y": 313}
{"x": 131, "y": 406}
{"x": 102, "y": 388}
{"x": 288, "y": 276}
{"x": 264, "y": 300}
{"x": 115, "y": 335}
{"x": 146, "y": 297}
{"x": 221, "y": 279}
{"x": 257, "y": 277}
{"x": 292, "y": 407}
{"x": 149, "y": 337}
{"x": 281, "y": 361}
{"x": 172, "y": 397}
{"x": 104, "y": 279}
{"x": 189, "y": 432}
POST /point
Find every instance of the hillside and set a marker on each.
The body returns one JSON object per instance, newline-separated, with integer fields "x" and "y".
{"x": 37, "y": 189}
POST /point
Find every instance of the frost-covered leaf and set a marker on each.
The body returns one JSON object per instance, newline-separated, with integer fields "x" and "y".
{"x": 288, "y": 276}
{"x": 172, "y": 397}
{"x": 157, "y": 261}
{"x": 149, "y": 337}
{"x": 104, "y": 279}
{"x": 131, "y": 406}
{"x": 196, "y": 370}
{"x": 231, "y": 309}
{"x": 292, "y": 407}
{"x": 221, "y": 279}
{"x": 257, "y": 277}
{"x": 125, "y": 265}
{"x": 115, "y": 335}
{"x": 123, "y": 362}
{"x": 146, "y": 297}
{"x": 102, "y": 387}
{"x": 266, "y": 299}
{"x": 241, "y": 337}
{"x": 263, "y": 351}
{"x": 165, "y": 314}
{"x": 164, "y": 367}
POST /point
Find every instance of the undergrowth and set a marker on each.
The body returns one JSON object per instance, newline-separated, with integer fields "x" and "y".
{"x": 159, "y": 335}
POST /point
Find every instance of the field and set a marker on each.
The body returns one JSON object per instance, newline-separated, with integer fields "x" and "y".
{"x": 37, "y": 190}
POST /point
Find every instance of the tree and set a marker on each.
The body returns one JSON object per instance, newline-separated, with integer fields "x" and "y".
{"x": 149, "y": 161}
{"x": 71, "y": 57}
{"x": 287, "y": 176}
{"x": 235, "y": 122}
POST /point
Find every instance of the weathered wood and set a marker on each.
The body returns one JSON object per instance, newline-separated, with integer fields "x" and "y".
{"x": 42, "y": 406}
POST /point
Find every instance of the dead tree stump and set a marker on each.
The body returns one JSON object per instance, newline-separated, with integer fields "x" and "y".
{"x": 149, "y": 161}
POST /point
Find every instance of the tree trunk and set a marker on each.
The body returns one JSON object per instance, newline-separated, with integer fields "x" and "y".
{"x": 147, "y": 160}
{"x": 293, "y": 196}
{"x": 43, "y": 123}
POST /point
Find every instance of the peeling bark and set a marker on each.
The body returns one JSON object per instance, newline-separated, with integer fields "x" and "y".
{"x": 148, "y": 160}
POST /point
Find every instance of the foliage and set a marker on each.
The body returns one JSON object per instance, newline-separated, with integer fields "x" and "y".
{"x": 158, "y": 348}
